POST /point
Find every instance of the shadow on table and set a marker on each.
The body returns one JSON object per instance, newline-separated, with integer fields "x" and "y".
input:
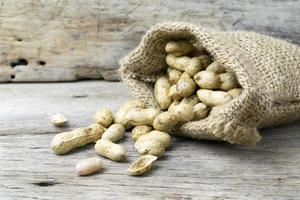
{"x": 277, "y": 143}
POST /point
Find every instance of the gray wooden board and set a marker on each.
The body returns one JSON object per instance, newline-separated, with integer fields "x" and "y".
{"x": 82, "y": 39}
{"x": 189, "y": 170}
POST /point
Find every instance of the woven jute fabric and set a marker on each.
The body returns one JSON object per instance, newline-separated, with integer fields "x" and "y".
{"x": 267, "y": 69}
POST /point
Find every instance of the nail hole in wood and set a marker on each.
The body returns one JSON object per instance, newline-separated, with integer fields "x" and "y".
{"x": 20, "y": 61}
{"x": 19, "y": 40}
{"x": 12, "y": 76}
{"x": 41, "y": 62}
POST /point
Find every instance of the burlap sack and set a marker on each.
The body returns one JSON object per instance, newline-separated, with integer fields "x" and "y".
{"x": 268, "y": 70}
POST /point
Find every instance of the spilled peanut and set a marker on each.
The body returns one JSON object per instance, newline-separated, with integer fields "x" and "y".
{"x": 120, "y": 116}
{"x": 88, "y": 166}
{"x": 66, "y": 141}
{"x": 153, "y": 143}
{"x": 58, "y": 119}
{"x": 114, "y": 133}
{"x": 141, "y": 116}
{"x": 110, "y": 150}
{"x": 104, "y": 117}
{"x": 142, "y": 165}
{"x": 138, "y": 131}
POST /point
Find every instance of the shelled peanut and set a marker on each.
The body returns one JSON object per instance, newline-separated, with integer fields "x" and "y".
{"x": 88, "y": 166}
{"x": 58, "y": 119}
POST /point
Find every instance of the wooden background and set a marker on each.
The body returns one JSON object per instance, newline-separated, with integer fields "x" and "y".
{"x": 66, "y": 40}
{"x": 189, "y": 170}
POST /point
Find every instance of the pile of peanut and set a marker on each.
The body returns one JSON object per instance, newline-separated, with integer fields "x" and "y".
{"x": 192, "y": 86}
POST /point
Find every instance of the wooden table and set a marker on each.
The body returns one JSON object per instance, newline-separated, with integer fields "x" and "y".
{"x": 65, "y": 40}
{"x": 189, "y": 170}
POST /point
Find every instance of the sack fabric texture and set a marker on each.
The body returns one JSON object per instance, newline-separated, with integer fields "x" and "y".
{"x": 267, "y": 69}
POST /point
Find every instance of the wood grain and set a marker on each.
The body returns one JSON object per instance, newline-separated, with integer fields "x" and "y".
{"x": 64, "y": 40}
{"x": 190, "y": 169}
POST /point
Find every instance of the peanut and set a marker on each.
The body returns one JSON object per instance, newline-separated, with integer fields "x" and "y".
{"x": 197, "y": 64}
{"x": 141, "y": 116}
{"x": 178, "y": 63}
{"x": 138, "y": 131}
{"x": 192, "y": 100}
{"x": 165, "y": 121}
{"x": 200, "y": 111}
{"x": 174, "y": 94}
{"x": 216, "y": 67}
{"x": 151, "y": 146}
{"x": 120, "y": 116}
{"x": 213, "y": 98}
{"x": 173, "y": 75}
{"x": 88, "y": 166}
{"x": 164, "y": 137}
{"x": 161, "y": 90}
{"x": 184, "y": 112}
{"x": 179, "y": 48}
{"x": 110, "y": 150}
{"x": 184, "y": 87}
{"x": 228, "y": 81}
{"x": 58, "y": 119}
{"x": 142, "y": 165}
{"x": 177, "y": 112}
{"x": 153, "y": 143}
{"x": 207, "y": 80}
{"x": 104, "y": 117}
{"x": 235, "y": 92}
{"x": 66, "y": 141}
{"x": 114, "y": 133}
{"x": 173, "y": 105}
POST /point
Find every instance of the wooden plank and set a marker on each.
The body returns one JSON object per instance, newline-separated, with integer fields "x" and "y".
{"x": 189, "y": 170}
{"x": 79, "y": 39}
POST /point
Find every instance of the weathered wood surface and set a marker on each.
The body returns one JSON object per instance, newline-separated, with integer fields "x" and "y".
{"x": 189, "y": 170}
{"x": 63, "y": 40}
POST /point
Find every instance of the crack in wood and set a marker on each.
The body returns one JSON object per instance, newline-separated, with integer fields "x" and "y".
{"x": 80, "y": 96}
{"x": 45, "y": 183}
